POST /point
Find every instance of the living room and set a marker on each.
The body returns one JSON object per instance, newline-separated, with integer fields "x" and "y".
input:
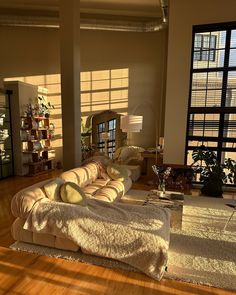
{"x": 153, "y": 71}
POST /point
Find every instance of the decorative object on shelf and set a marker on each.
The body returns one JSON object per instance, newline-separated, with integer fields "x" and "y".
{"x": 44, "y": 107}
{"x": 162, "y": 174}
{"x": 38, "y": 155}
{"x": 51, "y": 131}
{"x": 28, "y": 110}
{"x": 213, "y": 174}
{"x": 38, "y": 146}
{"x": 86, "y": 147}
{"x": 34, "y": 124}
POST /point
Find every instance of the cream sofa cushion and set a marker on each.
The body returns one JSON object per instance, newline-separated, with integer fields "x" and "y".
{"x": 69, "y": 176}
{"x": 117, "y": 172}
{"x": 126, "y": 154}
{"x": 73, "y": 194}
{"x": 24, "y": 200}
{"x": 52, "y": 189}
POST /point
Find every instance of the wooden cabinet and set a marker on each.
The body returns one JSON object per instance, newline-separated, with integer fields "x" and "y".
{"x": 38, "y": 155}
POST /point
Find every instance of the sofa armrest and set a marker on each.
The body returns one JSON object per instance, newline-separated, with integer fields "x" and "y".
{"x": 24, "y": 200}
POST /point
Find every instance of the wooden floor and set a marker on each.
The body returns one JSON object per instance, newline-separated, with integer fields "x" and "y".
{"x": 24, "y": 273}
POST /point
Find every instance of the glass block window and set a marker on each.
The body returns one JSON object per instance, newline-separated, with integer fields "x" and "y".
{"x": 212, "y": 100}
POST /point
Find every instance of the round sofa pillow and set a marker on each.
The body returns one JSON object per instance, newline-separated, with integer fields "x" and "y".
{"x": 72, "y": 193}
{"x": 117, "y": 172}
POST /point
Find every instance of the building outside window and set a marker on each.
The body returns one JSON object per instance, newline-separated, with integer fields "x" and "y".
{"x": 204, "y": 47}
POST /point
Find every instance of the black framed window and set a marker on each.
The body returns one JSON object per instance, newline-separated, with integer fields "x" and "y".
{"x": 100, "y": 141}
{"x": 6, "y": 155}
{"x": 112, "y": 137}
{"x": 212, "y": 100}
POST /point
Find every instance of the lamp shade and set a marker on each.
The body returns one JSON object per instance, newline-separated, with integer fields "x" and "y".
{"x": 131, "y": 123}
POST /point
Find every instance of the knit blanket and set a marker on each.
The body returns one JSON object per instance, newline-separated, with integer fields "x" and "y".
{"x": 136, "y": 235}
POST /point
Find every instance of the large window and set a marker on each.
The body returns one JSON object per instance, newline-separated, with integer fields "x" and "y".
{"x": 212, "y": 102}
{"x": 100, "y": 140}
{"x": 106, "y": 133}
{"x": 112, "y": 137}
{"x": 6, "y": 157}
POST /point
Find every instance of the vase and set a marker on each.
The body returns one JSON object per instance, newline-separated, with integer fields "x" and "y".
{"x": 162, "y": 188}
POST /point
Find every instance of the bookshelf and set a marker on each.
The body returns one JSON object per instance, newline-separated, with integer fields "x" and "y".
{"x": 38, "y": 154}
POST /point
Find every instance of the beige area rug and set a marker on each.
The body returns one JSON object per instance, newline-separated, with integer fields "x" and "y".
{"x": 200, "y": 253}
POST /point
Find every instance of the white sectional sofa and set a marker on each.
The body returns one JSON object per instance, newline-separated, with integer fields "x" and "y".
{"x": 88, "y": 177}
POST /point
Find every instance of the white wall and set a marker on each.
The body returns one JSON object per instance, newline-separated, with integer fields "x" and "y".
{"x": 35, "y": 51}
{"x": 183, "y": 15}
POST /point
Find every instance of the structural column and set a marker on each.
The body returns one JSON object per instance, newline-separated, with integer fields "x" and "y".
{"x": 70, "y": 82}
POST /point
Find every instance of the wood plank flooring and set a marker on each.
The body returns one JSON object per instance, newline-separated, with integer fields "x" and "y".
{"x": 23, "y": 273}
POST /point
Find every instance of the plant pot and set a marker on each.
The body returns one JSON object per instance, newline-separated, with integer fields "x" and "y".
{"x": 212, "y": 189}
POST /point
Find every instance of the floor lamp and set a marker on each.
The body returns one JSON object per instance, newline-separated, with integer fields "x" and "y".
{"x": 131, "y": 123}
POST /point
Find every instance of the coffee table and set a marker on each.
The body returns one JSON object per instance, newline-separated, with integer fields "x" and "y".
{"x": 141, "y": 197}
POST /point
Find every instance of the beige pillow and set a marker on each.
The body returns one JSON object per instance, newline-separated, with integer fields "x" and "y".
{"x": 52, "y": 189}
{"x": 72, "y": 193}
{"x": 117, "y": 172}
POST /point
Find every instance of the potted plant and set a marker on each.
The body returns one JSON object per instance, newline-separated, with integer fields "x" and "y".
{"x": 213, "y": 174}
{"x": 85, "y": 135}
{"x": 44, "y": 107}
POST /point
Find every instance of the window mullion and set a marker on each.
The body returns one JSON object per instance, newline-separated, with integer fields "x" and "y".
{"x": 223, "y": 95}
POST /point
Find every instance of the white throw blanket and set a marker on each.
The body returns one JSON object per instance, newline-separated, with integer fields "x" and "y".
{"x": 134, "y": 234}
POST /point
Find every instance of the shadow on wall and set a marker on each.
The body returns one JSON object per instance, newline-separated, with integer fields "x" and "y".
{"x": 100, "y": 90}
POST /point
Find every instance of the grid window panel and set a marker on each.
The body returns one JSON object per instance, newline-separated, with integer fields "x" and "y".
{"x": 198, "y": 143}
{"x": 213, "y": 98}
{"x": 232, "y": 57}
{"x": 209, "y": 49}
{"x": 204, "y": 125}
{"x": 6, "y": 156}
{"x": 214, "y": 80}
{"x": 230, "y": 126}
{"x": 198, "y": 41}
{"x": 230, "y": 96}
{"x": 7, "y": 170}
{"x": 3, "y": 101}
{"x": 199, "y": 81}
{"x": 197, "y": 55}
{"x": 198, "y": 98}
{"x": 229, "y": 145}
{"x": 233, "y": 39}
{"x": 212, "y": 104}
